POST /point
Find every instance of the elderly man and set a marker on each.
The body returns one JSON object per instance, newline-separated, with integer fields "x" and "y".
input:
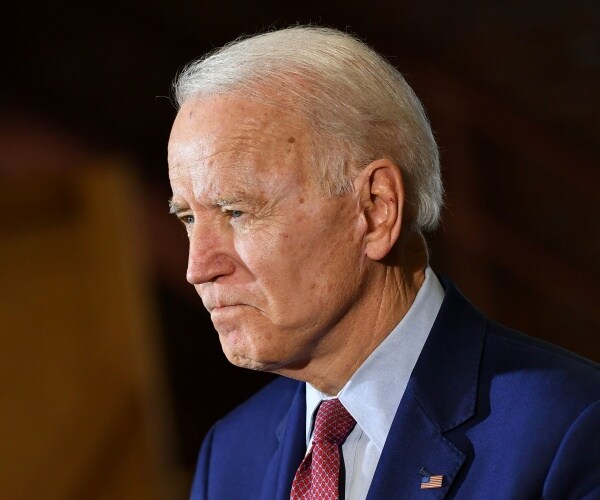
{"x": 305, "y": 173}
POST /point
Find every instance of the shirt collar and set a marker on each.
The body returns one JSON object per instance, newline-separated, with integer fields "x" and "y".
{"x": 373, "y": 393}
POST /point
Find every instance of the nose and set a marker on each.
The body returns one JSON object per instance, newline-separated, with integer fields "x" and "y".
{"x": 210, "y": 253}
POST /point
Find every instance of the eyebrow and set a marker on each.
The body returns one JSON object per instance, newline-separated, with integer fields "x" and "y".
{"x": 228, "y": 200}
{"x": 175, "y": 208}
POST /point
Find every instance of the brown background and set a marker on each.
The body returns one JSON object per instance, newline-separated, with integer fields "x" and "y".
{"x": 110, "y": 368}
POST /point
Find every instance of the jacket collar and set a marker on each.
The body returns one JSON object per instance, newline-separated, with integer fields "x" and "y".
{"x": 441, "y": 395}
{"x": 445, "y": 378}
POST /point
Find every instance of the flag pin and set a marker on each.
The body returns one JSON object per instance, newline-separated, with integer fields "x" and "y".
{"x": 430, "y": 481}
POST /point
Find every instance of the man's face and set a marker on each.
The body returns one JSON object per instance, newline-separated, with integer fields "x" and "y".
{"x": 278, "y": 265}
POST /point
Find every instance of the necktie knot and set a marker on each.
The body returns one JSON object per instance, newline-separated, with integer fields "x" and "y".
{"x": 333, "y": 423}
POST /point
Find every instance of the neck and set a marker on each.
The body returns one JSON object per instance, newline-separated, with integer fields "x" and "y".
{"x": 390, "y": 291}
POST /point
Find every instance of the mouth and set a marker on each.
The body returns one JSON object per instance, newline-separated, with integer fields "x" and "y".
{"x": 225, "y": 307}
{"x": 222, "y": 307}
{"x": 227, "y": 313}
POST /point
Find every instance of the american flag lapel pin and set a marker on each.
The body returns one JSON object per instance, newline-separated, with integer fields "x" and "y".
{"x": 430, "y": 481}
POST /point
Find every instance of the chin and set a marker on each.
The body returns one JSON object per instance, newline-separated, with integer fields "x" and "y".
{"x": 244, "y": 356}
{"x": 239, "y": 353}
{"x": 242, "y": 361}
{"x": 247, "y": 346}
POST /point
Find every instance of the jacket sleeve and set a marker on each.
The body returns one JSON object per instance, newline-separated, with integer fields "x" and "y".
{"x": 575, "y": 470}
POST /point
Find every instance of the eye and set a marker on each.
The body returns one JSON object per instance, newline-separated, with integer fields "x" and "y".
{"x": 187, "y": 219}
{"x": 232, "y": 213}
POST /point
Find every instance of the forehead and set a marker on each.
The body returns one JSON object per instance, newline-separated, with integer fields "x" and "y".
{"x": 232, "y": 127}
{"x": 224, "y": 146}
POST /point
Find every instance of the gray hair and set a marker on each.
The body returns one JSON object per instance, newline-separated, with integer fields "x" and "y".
{"x": 359, "y": 106}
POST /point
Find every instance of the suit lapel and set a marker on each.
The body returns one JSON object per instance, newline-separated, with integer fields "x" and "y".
{"x": 292, "y": 447}
{"x": 414, "y": 443}
{"x": 441, "y": 395}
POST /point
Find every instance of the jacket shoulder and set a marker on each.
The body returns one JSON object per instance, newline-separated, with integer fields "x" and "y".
{"x": 512, "y": 352}
{"x": 238, "y": 448}
{"x": 266, "y": 408}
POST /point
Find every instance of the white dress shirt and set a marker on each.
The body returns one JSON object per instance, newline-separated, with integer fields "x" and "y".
{"x": 374, "y": 392}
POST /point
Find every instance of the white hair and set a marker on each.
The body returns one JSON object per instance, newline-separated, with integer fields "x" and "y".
{"x": 358, "y": 105}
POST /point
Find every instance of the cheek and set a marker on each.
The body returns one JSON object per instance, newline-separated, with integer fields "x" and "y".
{"x": 285, "y": 243}
{"x": 312, "y": 255}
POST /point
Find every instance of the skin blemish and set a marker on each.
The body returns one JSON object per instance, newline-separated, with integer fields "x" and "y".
{"x": 301, "y": 200}
{"x": 291, "y": 140}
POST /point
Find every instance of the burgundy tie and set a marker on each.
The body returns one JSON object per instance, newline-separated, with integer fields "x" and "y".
{"x": 317, "y": 478}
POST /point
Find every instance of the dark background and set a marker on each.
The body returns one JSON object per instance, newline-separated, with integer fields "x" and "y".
{"x": 512, "y": 92}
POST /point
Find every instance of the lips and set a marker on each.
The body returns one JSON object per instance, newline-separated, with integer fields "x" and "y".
{"x": 220, "y": 301}
{"x": 223, "y": 307}
{"x": 214, "y": 306}
{"x": 226, "y": 314}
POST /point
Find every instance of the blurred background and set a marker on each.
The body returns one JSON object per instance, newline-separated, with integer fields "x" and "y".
{"x": 110, "y": 372}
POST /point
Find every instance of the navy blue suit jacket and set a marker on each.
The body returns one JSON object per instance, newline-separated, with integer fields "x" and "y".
{"x": 498, "y": 414}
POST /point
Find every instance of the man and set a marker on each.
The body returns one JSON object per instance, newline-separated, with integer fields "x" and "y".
{"x": 305, "y": 173}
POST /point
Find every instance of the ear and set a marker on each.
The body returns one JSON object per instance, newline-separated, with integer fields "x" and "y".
{"x": 381, "y": 197}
